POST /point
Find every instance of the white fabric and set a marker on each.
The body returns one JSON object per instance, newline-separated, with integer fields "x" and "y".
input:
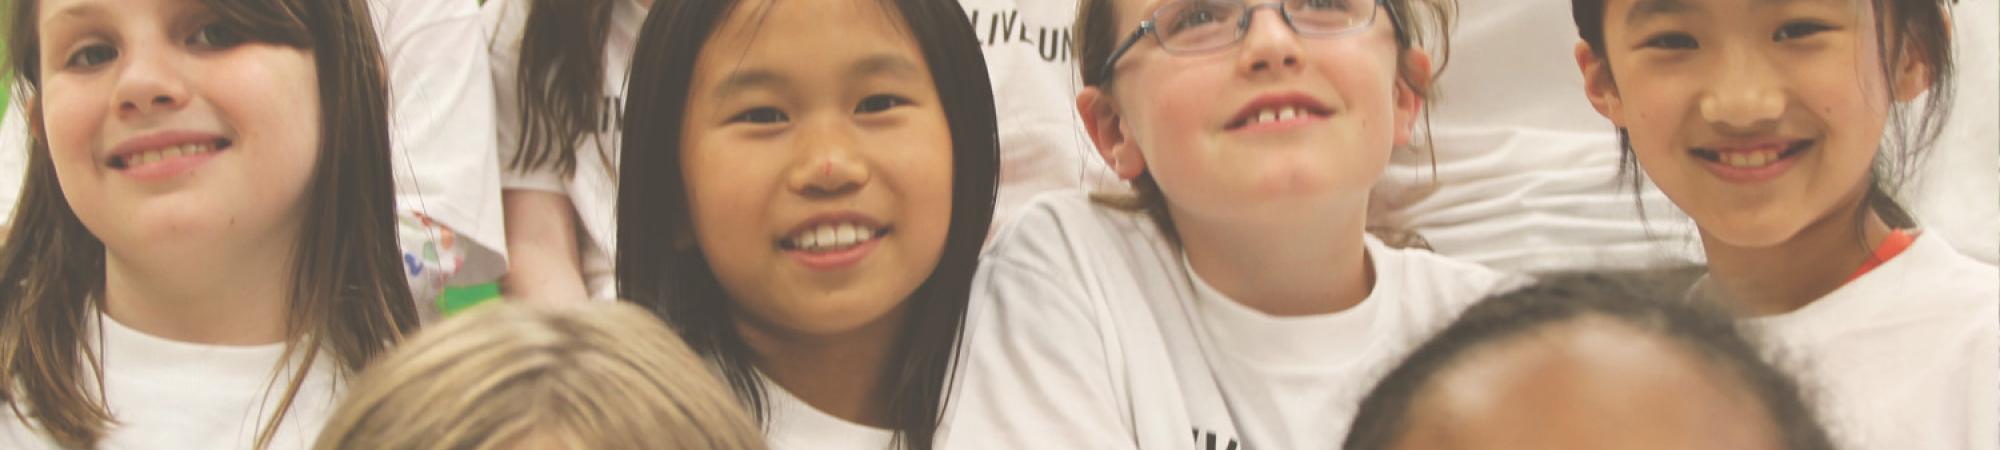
{"x": 794, "y": 425}
{"x": 1956, "y": 189}
{"x": 593, "y": 188}
{"x": 169, "y": 395}
{"x": 1043, "y": 146}
{"x": 1905, "y": 357}
{"x": 1098, "y": 338}
{"x": 444, "y": 168}
{"x": 1527, "y": 175}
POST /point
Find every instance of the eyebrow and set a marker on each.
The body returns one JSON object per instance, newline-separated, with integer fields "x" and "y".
{"x": 743, "y": 80}
{"x": 75, "y": 11}
{"x": 884, "y": 64}
{"x": 1647, "y": 9}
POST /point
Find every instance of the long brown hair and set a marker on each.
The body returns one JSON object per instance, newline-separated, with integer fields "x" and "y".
{"x": 1414, "y": 21}
{"x": 348, "y": 294}
{"x": 561, "y": 81}
{"x": 675, "y": 281}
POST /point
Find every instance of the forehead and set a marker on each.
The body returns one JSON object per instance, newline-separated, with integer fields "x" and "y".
{"x": 1588, "y": 384}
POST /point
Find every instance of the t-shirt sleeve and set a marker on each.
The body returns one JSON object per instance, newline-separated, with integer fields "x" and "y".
{"x": 1042, "y": 365}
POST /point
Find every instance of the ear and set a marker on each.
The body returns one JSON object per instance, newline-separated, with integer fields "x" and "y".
{"x": 1598, "y": 85}
{"x": 1107, "y": 132}
{"x": 1410, "y": 86}
{"x": 1913, "y": 71}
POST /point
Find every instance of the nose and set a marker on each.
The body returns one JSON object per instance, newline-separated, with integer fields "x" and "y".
{"x": 1746, "y": 92}
{"x": 148, "y": 83}
{"x": 1269, "y": 45}
{"x": 832, "y": 165}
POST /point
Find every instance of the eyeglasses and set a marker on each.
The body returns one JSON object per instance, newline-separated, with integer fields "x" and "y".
{"x": 1194, "y": 26}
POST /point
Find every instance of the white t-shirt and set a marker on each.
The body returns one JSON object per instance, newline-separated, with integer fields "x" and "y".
{"x": 170, "y": 395}
{"x": 1527, "y": 172}
{"x": 1043, "y": 146}
{"x": 1098, "y": 337}
{"x": 593, "y": 188}
{"x": 1905, "y": 357}
{"x": 791, "y": 424}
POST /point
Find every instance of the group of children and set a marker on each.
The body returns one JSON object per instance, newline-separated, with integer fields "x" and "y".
{"x": 822, "y": 230}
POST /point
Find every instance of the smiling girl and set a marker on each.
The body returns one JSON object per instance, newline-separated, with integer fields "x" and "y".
{"x": 1238, "y": 299}
{"x": 204, "y": 247}
{"x": 1766, "y": 122}
{"x": 804, "y": 192}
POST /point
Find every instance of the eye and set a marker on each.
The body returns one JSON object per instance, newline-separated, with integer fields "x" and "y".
{"x": 1796, "y": 30}
{"x": 216, "y": 36}
{"x": 1671, "y": 41}
{"x": 879, "y": 103}
{"x": 1323, "y": 5}
{"x": 1194, "y": 15}
{"x": 760, "y": 115}
{"x": 91, "y": 56}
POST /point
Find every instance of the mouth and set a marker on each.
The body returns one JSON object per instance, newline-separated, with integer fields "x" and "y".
{"x": 140, "y": 158}
{"x": 1277, "y": 110}
{"x": 832, "y": 237}
{"x": 1752, "y": 156}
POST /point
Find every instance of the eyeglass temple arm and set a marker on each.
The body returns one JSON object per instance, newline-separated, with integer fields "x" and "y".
{"x": 1104, "y": 74}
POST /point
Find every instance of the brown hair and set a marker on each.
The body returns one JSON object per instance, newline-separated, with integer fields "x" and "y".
{"x": 594, "y": 376}
{"x": 1919, "y": 23}
{"x": 348, "y": 293}
{"x": 561, "y": 82}
{"x": 1414, "y": 21}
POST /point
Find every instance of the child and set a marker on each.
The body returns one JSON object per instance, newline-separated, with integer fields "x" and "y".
{"x": 559, "y": 71}
{"x": 1238, "y": 300}
{"x": 206, "y": 240}
{"x": 1765, "y": 123}
{"x": 805, "y": 203}
{"x": 1587, "y": 361}
{"x": 605, "y": 376}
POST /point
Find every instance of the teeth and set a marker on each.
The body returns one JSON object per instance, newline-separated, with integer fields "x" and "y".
{"x": 829, "y": 237}
{"x": 1749, "y": 159}
{"x": 1266, "y": 116}
{"x": 1287, "y": 113}
{"x": 154, "y": 156}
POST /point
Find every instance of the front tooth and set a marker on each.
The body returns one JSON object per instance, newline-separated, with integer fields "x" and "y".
{"x": 149, "y": 158}
{"x": 803, "y": 242}
{"x": 825, "y": 236}
{"x": 1266, "y": 116}
{"x": 1759, "y": 158}
{"x": 175, "y": 152}
{"x": 844, "y": 236}
{"x": 1288, "y": 113}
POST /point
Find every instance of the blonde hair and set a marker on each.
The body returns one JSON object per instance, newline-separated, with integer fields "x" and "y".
{"x": 596, "y": 376}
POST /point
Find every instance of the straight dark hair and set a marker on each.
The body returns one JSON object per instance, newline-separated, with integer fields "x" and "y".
{"x": 659, "y": 266}
{"x": 561, "y": 82}
{"x": 348, "y": 294}
{"x": 1923, "y": 24}
{"x": 1646, "y": 301}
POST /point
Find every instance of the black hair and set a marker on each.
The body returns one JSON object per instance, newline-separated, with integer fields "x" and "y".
{"x": 659, "y": 269}
{"x": 1646, "y": 301}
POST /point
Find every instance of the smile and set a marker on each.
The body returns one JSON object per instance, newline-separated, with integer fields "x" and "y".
{"x": 1278, "y": 111}
{"x": 832, "y": 237}
{"x": 142, "y": 159}
{"x": 1750, "y": 157}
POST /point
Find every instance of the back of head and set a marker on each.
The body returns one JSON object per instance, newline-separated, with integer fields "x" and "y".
{"x": 1592, "y": 348}
{"x": 596, "y": 376}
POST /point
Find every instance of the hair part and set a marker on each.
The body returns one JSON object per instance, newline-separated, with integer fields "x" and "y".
{"x": 348, "y": 295}
{"x": 598, "y": 376}
{"x": 1644, "y": 301}
{"x": 1415, "y": 22}
{"x": 661, "y": 268}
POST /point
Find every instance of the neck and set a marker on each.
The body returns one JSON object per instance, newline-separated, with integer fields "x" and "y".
{"x": 840, "y": 374}
{"x": 1288, "y": 268}
{"x": 221, "y": 295}
{"x": 1758, "y": 281}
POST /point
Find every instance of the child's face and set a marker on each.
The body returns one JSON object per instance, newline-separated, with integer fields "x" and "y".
{"x": 818, "y": 163}
{"x": 1195, "y": 120}
{"x": 1595, "y": 384}
{"x": 167, "y": 129}
{"x": 1756, "y": 117}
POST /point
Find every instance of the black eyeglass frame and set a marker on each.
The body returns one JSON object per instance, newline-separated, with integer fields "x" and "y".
{"x": 1242, "y": 28}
